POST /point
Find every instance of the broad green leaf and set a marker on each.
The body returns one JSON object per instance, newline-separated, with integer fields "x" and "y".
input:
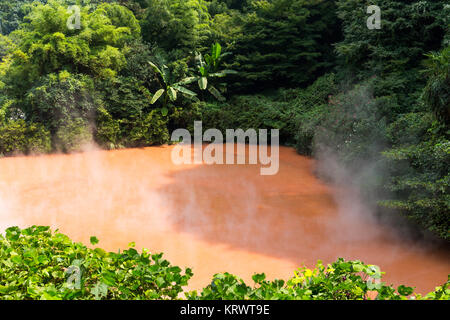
{"x": 160, "y": 281}
{"x": 217, "y": 75}
{"x": 172, "y": 93}
{"x": 258, "y": 278}
{"x": 108, "y": 278}
{"x": 405, "y": 291}
{"x": 157, "y": 95}
{"x": 186, "y": 81}
{"x": 203, "y": 71}
{"x": 184, "y": 90}
{"x": 155, "y": 68}
{"x": 208, "y": 59}
{"x": 216, "y": 50}
{"x": 100, "y": 290}
{"x": 164, "y": 111}
{"x": 49, "y": 296}
{"x": 226, "y": 71}
{"x": 16, "y": 259}
{"x": 216, "y": 93}
{"x": 203, "y": 83}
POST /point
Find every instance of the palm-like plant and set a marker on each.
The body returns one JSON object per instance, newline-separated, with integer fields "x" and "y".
{"x": 209, "y": 67}
{"x": 169, "y": 90}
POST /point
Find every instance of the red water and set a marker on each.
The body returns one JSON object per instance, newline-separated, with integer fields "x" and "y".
{"x": 211, "y": 218}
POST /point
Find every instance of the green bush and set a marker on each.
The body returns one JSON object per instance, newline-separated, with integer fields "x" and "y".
{"x": 127, "y": 118}
{"x": 107, "y": 132}
{"x": 342, "y": 280}
{"x": 347, "y": 124}
{"x": 352, "y": 130}
{"x": 146, "y": 130}
{"x": 250, "y": 112}
{"x": 311, "y": 108}
{"x": 418, "y": 167}
{"x": 17, "y": 136}
{"x": 60, "y": 99}
{"x": 73, "y": 136}
{"x": 37, "y": 263}
{"x": 123, "y": 97}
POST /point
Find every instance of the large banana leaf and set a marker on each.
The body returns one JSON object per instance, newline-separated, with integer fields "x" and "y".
{"x": 155, "y": 67}
{"x": 172, "y": 93}
{"x": 216, "y": 50}
{"x": 157, "y": 95}
{"x": 199, "y": 59}
{"x": 184, "y": 90}
{"x": 222, "y": 73}
{"x": 216, "y": 93}
{"x": 158, "y": 71}
{"x": 203, "y": 71}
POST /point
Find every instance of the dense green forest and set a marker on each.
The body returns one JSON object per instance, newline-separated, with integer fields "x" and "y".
{"x": 136, "y": 70}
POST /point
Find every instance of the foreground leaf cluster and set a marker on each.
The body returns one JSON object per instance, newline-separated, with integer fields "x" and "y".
{"x": 36, "y": 263}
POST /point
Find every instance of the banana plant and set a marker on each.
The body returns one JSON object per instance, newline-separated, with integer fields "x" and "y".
{"x": 169, "y": 91}
{"x": 209, "y": 67}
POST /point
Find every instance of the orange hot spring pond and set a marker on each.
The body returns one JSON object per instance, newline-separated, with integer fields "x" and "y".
{"x": 212, "y": 218}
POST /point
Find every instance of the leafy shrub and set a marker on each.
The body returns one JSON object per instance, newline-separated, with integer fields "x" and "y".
{"x": 59, "y": 99}
{"x": 250, "y": 112}
{"x": 311, "y": 107}
{"x": 17, "y": 136}
{"x": 38, "y": 139}
{"x": 49, "y": 74}
{"x": 295, "y": 112}
{"x": 12, "y": 13}
{"x": 37, "y": 263}
{"x": 123, "y": 97}
{"x": 96, "y": 49}
{"x": 418, "y": 166}
{"x": 184, "y": 117}
{"x": 128, "y": 119}
{"x": 107, "y": 129}
{"x": 342, "y": 280}
{"x": 352, "y": 129}
{"x": 73, "y": 136}
{"x": 146, "y": 130}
